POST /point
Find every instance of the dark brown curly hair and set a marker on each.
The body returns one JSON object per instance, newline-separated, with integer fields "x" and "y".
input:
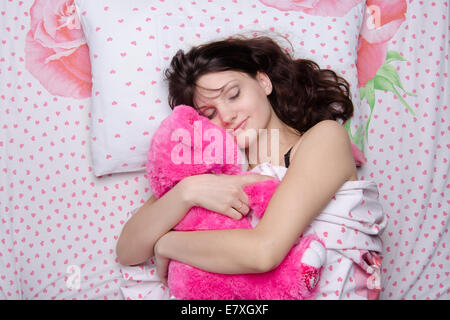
{"x": 303, "y": 94}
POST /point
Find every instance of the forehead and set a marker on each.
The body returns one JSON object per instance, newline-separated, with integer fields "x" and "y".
{"x": 216, "y": 80}
{"x": 212, "y": 85}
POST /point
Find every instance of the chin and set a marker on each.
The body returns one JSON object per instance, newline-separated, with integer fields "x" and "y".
{"x": 242, "y": 145}
{"x": 247, "y": 138}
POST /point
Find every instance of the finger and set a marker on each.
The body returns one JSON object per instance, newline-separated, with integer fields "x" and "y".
{"x": 162, "y": 273}
{"x": 159, "y": 272}
{"x": 253, "y": 178}
{"x": 244, "y": 209}
{"x": 162, "y": 278}
{"x": 241, "y": 207}
{"x": 234, "y": 214}
{"x": 165, "y": 281}
{"x": 244, "y": 197}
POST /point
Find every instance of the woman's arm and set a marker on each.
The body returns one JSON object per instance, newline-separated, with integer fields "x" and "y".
{"x": 321, "y": 164}
{"x": 217, "y": 193}
{"x": 146, "y": 226}
{"x": 220, "y": 251}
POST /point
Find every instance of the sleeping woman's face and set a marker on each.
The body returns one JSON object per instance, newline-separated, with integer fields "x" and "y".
{"x": 234, "y": 100}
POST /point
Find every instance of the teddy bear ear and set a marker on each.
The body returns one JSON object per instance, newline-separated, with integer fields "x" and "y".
{"x": 184, "y": 115}
{"x": 205, "y": 136}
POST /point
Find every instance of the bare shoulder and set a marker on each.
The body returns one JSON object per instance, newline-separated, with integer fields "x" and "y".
{"x": 326, "y": 144}
{"x": 328, "y": 129}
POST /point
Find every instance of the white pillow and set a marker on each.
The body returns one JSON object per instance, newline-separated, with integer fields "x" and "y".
{"x": 132, "y": 42}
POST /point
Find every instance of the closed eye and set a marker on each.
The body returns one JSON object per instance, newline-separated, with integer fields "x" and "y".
{"x": 236, "y": 95}
{"x": 211, "y": 112}
{"x": 208, "y": 113}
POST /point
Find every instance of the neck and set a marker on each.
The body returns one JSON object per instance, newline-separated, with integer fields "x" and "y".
{"x": 272, "y": 144}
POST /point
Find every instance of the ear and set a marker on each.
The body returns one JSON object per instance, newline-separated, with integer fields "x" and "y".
{"x": 264, "y": 82}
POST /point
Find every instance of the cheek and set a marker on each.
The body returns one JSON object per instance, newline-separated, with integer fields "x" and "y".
{"x": 260, "y": 116}
{"x": 217, "y": 122}
{"x": 262, "y": 107}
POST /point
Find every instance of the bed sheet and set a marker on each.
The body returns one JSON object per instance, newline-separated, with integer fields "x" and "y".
{"x": 59, "y": 223}
{"x": 408, "y": 154}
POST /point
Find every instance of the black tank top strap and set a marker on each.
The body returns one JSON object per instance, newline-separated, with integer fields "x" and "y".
{"x": 286, "y": 157}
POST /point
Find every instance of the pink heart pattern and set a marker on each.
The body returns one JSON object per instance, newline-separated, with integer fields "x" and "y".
{"x": 409, "y": 158}
{"x": 129, "y": 56}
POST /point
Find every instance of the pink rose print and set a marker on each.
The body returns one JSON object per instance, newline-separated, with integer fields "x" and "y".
{"x": 324, "y": 8}
{"x": 382, "y": 20}
{"x": 367, "y": 275}
{"x": 374, "y": 281}
{"x": 56, "y": 52}
{"x": 358, "y": 155}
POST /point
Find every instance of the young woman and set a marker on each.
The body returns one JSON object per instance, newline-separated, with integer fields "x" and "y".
{"x": 250, "y": 84}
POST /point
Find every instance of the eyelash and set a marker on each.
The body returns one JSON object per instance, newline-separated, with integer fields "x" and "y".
{"x": 236, "y": 95}
{"x": 212, "y": 115}
{"x": 231, "y": 98}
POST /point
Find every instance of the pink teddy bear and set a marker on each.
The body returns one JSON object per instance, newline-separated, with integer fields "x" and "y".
{"x": 182, "y": 146}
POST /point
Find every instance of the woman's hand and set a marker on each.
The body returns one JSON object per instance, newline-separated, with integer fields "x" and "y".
{"x": 221, "y": 193}
{"x": 162, "y": 265}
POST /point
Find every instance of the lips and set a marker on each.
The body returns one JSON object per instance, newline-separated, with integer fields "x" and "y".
{"x": 240, "y": 126}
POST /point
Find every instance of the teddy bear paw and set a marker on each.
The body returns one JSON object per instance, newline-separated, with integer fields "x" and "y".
{"x": 315, "y": 255}
{"x": 311, "y": 278}
{"x": 313, "y": 260}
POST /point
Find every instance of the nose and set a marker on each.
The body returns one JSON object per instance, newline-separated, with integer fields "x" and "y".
{"x": 228, "y": 121}
{"x": 227, "y": 116}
